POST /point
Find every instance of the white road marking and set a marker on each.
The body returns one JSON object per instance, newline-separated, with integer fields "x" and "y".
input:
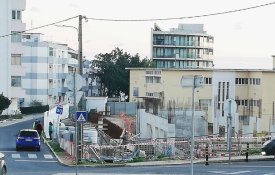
{"x": 48, "y": 156}
{"x": 239, "y": 172}
{"x": 232, "y": 173}
{"x": 38, "y": 161}
{"x": 15, "y": 156}
{"x": 32, "y": 156}
{"x": 105, "y": 174}
{"x": 216, "y": 172}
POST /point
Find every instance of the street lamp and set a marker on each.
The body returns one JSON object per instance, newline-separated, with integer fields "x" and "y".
{"x": 79, "y": 130}
{"x": 193, "y": 81}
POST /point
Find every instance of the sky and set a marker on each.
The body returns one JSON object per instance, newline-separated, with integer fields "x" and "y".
{"x": 243, "y": 39}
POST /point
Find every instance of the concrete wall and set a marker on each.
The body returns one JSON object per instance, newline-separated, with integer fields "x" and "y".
{"x": 97, "y": 103}
{"x": 116, "y": 108}
{"x": 152, "y": 126}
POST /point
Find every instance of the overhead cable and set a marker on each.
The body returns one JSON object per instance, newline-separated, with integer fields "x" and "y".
{"x": 185, "y": 17}
{"x": 54, "y": 23}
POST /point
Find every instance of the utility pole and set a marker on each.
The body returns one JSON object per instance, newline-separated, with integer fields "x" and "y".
{"x": 80, "y": 107}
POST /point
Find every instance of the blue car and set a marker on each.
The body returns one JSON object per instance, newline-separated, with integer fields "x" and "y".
{"x": 268, "y": 148}
{"x": 28, "y": 138}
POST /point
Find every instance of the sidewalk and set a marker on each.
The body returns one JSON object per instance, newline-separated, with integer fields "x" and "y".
{"x": 68, "y": 160}
{"x": 14, "y": 121}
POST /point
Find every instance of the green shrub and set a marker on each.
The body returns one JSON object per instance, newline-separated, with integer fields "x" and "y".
{"x": 254, "y": 151}
{"x": 138, "y": 159}
{"x": 17, "y": 116}
{"x": 34, "y": 109}
{"x": 4, "y": 117}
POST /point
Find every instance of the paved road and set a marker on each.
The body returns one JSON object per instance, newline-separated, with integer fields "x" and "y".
{"x": 44, "y": 162}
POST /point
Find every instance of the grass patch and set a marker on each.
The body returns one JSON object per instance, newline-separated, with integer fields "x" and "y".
{"x": 17, "y": 116}
{"x": 56, "y": 148}
{"x": 254, "y": 151}
{"x": 138, "y": 159}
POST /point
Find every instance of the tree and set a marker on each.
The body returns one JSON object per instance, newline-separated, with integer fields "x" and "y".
{"x": 112, "y": 70}
{"x": 36, "y": 103}
{"x": 4, "y": 103}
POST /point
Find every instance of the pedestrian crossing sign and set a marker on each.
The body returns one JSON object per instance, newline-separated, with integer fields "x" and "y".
{"x": 81, "y": 116}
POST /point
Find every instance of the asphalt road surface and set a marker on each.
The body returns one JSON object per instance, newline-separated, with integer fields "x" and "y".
{"x": 30, "y": 162}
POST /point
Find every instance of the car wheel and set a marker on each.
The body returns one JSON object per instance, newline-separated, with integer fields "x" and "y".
{"x": 4, "y": 171}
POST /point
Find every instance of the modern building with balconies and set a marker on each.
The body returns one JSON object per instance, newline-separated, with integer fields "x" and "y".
{"x": 187, "y": 46}
{"x": 11, "y": 69}
{"x": 47, "y": 66}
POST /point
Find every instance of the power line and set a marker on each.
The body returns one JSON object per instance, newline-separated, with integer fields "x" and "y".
{"x": 186, "y": 17}
{"x": 142, "y": 20}
{"x": 54, "y": 23}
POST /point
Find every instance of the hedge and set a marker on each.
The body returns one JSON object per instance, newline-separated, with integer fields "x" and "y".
{"x": 34, "y": 109}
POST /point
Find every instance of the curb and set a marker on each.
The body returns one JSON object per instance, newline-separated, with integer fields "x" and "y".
{"x": 59, "y": 160}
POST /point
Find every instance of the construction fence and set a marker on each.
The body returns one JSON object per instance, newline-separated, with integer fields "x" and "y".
{"x": 174, "y": 148}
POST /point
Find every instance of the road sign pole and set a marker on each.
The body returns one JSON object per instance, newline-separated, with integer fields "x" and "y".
{"x": 76, "y": 147}
{"x": 193, "y": 81}
{"x": 229, "y": 129}
{"x": 79, "y": 131}
{"x": 193, "y": 128}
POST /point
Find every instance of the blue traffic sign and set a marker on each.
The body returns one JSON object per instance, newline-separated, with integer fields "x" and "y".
{"x": 59, "y": 110}
{"x": 81, "y": 116}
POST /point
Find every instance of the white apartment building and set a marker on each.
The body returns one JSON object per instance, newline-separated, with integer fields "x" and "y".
{"x": 11, "y": 51}
{"x": 47, "y": 66}
{"x": 187, "y": 46}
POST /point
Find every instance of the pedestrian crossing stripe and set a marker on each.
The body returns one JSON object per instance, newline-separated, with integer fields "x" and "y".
{"x": 81, "y": 118}
{"x": 31, "y": 156}
{"x": 48, "y": 156}
{"x": 15, "y": 156}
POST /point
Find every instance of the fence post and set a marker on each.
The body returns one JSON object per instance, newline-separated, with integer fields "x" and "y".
{"x": 246, "y": 153}
{"x": 206, "y": 154}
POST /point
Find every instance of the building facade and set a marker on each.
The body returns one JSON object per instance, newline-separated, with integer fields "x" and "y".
{"x": 47, "y": 65}
{"x": 160, "y": 90}
{"x": 11, "y": 69}
{"x": 187, "y": 46}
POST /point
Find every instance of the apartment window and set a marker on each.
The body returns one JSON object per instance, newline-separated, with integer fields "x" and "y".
{"x": 149, "y": 94}
{"x": 16, "y": 14}
{"x": 50, "y": 51}
{"x": 26, "y": 37}
{"x": 227, "y": 90}
{"x": 16, "y": 37}
{"x": 15, "y": 59}
{"x": 153, "y": 79}
{"x": 15, "y": 81}
{"x": 244, "y": 119}
{"x": 207, "y": 80}
{"x": 252, "y": 81}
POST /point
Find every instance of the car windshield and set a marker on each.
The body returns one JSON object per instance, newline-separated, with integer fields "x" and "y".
{"x": 28, "y": 134}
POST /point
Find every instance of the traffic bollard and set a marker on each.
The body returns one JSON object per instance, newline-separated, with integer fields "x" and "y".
{"x": 206, "y": 155}
{"x": 246, "y": 153}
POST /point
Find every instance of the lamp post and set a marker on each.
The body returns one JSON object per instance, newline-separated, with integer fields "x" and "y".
{"x": 193, "y": 81}
{"x": 79, "y": 129}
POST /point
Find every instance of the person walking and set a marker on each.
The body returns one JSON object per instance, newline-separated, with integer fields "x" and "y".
{"x": 50, "y": 129}
{"x": 39, "y": 128}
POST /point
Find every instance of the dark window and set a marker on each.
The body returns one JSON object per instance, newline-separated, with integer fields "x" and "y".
{"x": 28, "y": 134}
